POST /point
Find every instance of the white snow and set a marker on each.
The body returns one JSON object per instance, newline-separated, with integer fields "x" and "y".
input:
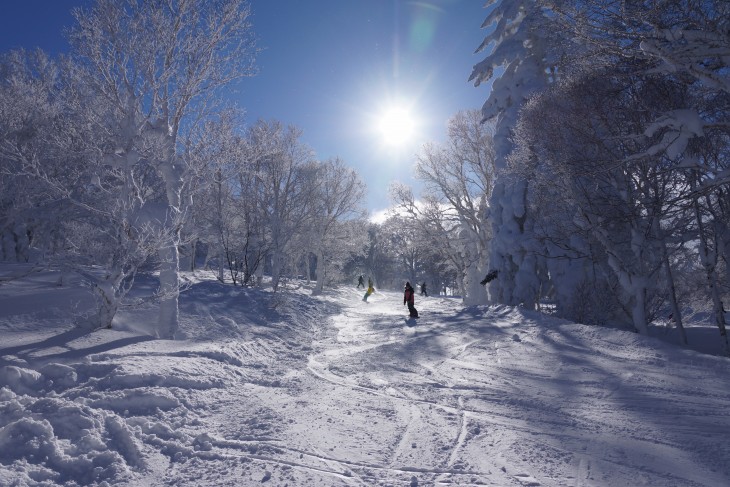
{"x": 287, "y": 389}
{"x": 682, "y": 125}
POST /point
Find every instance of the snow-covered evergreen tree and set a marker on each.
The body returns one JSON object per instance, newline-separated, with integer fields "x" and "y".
{"x": 521, "y": 60}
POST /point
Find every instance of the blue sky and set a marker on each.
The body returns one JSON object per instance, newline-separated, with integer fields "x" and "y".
{"x": 331, "y": 67}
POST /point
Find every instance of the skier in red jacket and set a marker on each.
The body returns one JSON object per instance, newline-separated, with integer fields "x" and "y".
{"x": 409, "y": 298}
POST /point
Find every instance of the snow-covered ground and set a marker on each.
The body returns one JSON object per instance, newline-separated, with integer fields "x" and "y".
{"x": 289, "y": 390}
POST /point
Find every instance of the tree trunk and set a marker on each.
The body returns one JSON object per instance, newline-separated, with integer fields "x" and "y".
{"x": 110, "y": 293}
{"x": 320, "y": 273}
{"x": 221, "y": 272}
{"x": 276, "y": 263}
{"x": 260, "y": 273}
{"x": 476, "y": 294}
{"x": 638, "y": 311}
{"x": 193, "y": 249}
{"x": 106, "y": 312}
{"x": 308, "y": 266}
{"x": 709, "y": 262}
{"x": 676, "y": 312}
{"x": 169, "y": 291}
{"x": 462, "y": 287}
{"x": 171, "y": 225}
{"x": 108, "y": 305}
{"x": 718, "y": 308}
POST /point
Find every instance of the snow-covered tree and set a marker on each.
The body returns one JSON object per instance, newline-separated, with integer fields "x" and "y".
{"x": 91, "y": 212}
{"x": 679, "y": 50}
{"x": 460, "y": 177}
{"x": 379, "y": 259}
{"x": 342, "y": 249}
{"x": 157, "y": 66}
{"x": 522, "y": 58}
{"x": 283, "y": 169}
{"x": 219, "y": 215}
{"x": 685, "y": 37}
{"x": 685, "y": 40}
{"x": 338, "y": 196}
{"x": 31, "y": 116}
{"x": 405, "y": 245}
{"x": 710, "y": 209}
{"x": 439, "y": 228}
{"x": 579, "y": 140}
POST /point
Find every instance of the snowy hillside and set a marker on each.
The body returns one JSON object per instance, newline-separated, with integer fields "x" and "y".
{"x": 289, "y": 390}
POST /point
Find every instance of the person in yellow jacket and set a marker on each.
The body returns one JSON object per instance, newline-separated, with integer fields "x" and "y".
{"x": 370, "y": 291}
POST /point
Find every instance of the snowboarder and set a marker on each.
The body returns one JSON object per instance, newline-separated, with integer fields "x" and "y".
{"x": 360, "y": 282}
{"x": 423, "y": 290}
{"x": 409, "y": 298}
{"x": 370, "y": 291}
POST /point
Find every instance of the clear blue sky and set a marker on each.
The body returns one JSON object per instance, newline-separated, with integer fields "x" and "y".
{"x": 331, "y": 67}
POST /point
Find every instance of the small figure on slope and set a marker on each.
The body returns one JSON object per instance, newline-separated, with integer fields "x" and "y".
{"x": 409, "y": 298}
{"x": 360, "y": 282}
{"x": 423, "y": 290}
{"x": 370, "y": 290}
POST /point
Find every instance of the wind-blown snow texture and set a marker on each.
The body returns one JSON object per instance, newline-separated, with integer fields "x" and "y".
{"x": 286, "y": 389}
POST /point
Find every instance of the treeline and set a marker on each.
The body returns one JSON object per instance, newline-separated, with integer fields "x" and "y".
{"x": 613, "y": 141}
{"x": 596, "y": 178}
{"x": 124, "y": 156}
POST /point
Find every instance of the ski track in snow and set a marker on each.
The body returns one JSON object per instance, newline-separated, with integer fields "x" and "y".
{"x": 289, "y": 390}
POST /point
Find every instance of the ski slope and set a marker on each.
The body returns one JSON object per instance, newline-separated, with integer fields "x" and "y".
{"x": 289, "y": 390}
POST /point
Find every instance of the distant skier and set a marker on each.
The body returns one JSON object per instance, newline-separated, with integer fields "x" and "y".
{"x": 409, "y": 298}
{"x": 360, "y": 282}
{"x": 370, "y": 291}
{"x": 423, "y": 290}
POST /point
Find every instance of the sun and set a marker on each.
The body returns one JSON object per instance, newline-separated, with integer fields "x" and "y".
{"x": 396, "y": 125}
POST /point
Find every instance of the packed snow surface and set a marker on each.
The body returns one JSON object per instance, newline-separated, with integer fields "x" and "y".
{"x": 285, "y": 389}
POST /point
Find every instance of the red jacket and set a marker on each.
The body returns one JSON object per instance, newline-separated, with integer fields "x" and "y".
{"x": 408, "y": 296}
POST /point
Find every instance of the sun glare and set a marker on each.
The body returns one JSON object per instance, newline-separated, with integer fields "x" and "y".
{"x": 396, "y": 126}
